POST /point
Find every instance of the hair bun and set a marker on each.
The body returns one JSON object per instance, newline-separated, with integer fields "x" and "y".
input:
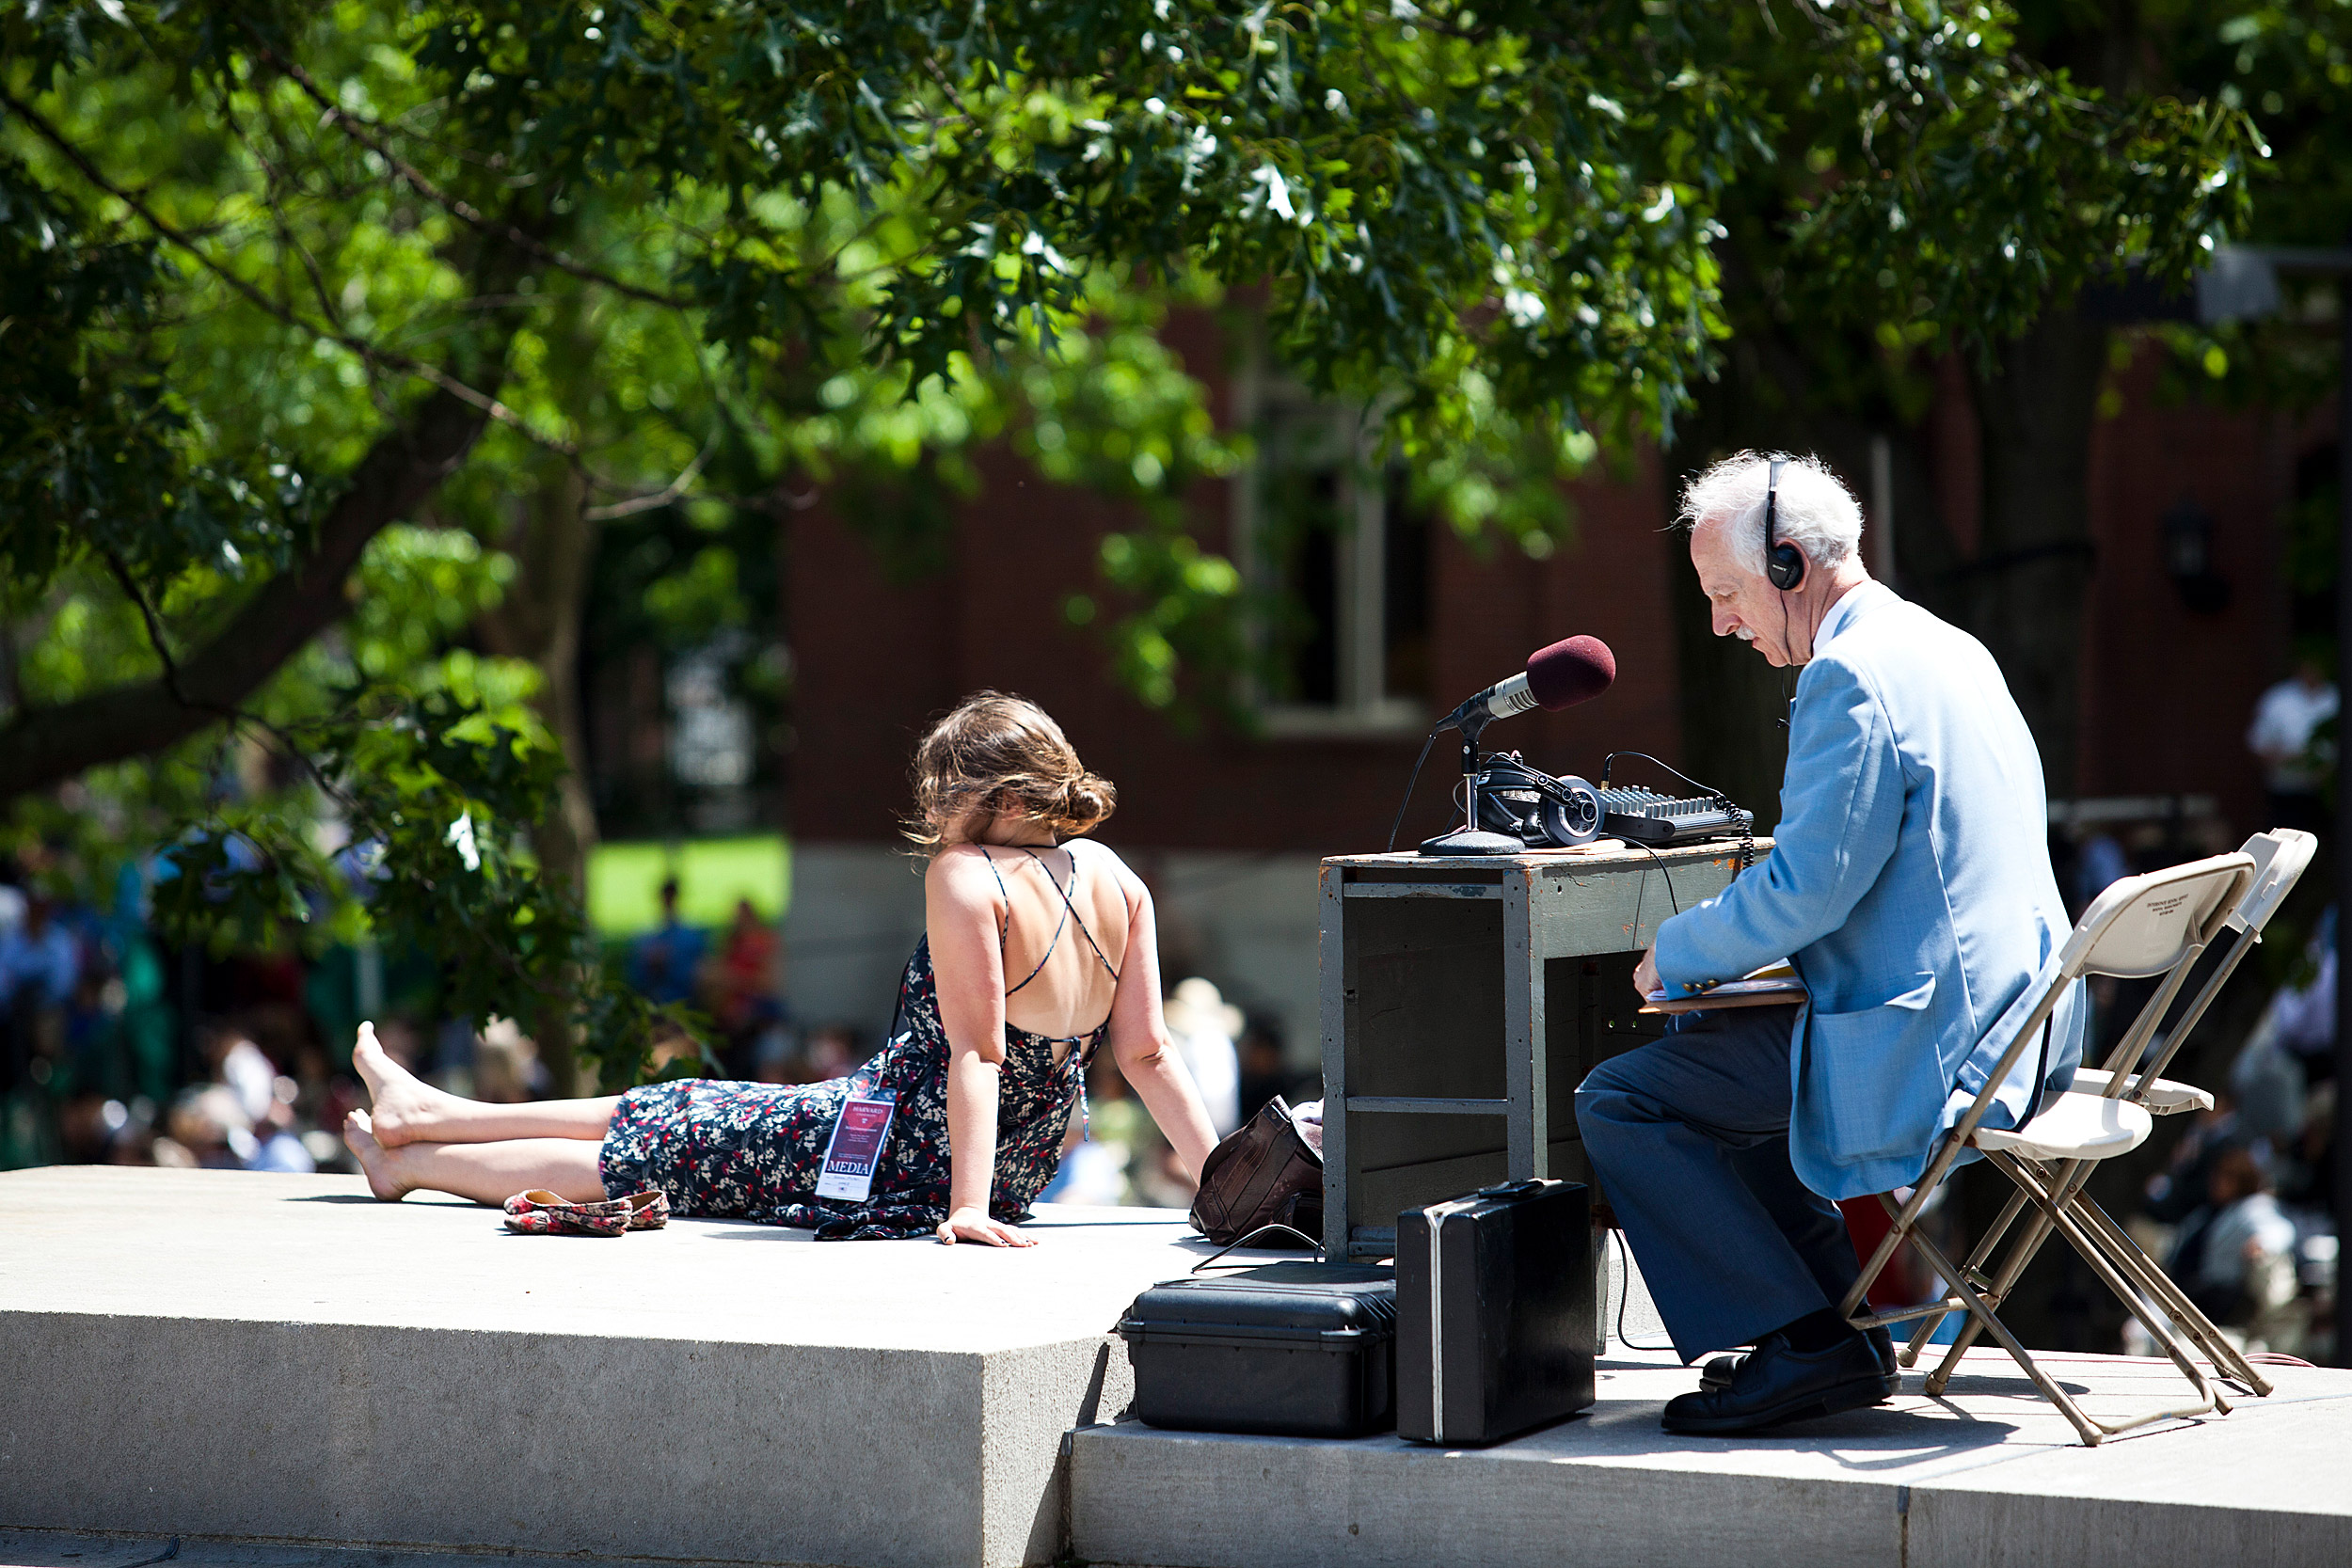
{"x": 1083, "y": 803}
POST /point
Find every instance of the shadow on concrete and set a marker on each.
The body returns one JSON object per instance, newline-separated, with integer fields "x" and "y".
{"x": 1915, "y": 1436}
{"x": 368, "y": 1199}
{"x": 1858, "y": 1440}
{"x": 1091, "y": 1405}
{"x": 1862, "y": 1441}
{"x": 2020, "y": 1387}
{"x": 2164, "y": 1428}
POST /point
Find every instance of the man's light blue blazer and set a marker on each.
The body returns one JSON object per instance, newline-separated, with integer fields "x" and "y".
{"x": 1909, "y": 881}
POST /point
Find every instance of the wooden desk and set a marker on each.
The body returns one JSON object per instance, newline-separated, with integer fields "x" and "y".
{"x": 1463, "y": 1001}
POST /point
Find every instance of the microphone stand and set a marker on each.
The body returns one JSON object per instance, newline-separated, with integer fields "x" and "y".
{"x": 1469, "y": 838}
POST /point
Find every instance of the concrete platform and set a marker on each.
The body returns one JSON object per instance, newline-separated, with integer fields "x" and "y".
{"x": 287, "y": 1374}
{"x": 282, "y": 1358}
{"x": 1991, "y": 1473}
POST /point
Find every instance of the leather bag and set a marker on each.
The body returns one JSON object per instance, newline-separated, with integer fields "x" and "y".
{"x": 1265, "y": 1173}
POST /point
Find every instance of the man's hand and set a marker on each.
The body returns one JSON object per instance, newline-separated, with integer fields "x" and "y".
{"x": 1645, "y": 973}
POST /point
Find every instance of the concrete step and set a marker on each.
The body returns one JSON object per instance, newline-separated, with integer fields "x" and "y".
{"x": 1988, "y": 1474}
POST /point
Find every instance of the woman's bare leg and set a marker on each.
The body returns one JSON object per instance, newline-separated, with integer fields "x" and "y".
{"x": 408, "y": 1109}
{"x": 486, "y": 1172}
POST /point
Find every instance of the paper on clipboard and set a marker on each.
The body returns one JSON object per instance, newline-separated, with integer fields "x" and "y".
{"x": 1773, "y": 985}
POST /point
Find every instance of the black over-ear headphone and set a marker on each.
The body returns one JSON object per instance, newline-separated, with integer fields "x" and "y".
{"x": 1784, "y": 564}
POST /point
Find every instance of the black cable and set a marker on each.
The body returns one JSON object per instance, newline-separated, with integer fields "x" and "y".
{"x": 1611, "y": 761}
{"x": 1671, "y": 899}
{"x": 1746, "y": 821}
{"x": 1787, "y": 650}
{"x": 1624, "y": 1290}
{"x": 1747, "y": 830}
{"x": 1409, "y": 782}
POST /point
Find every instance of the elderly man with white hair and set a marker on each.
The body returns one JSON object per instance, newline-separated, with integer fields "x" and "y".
{"x": 1910, "y": 885}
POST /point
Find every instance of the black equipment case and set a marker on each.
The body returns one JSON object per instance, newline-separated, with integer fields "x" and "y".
{"x": 1303, "y": 1350}
{"x": 1495, "y": 1313}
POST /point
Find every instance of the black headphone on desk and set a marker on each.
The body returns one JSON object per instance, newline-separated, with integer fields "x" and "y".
{"x": 1539, "y": 810}
{"x": 1784, "y": 564}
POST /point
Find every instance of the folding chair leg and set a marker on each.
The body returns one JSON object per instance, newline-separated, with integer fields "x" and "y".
{"x": 1921, "y": 1335}
{"x": 2003, "y": 1281}
{"x": 2061, "y": 1218}
{"x": 2122, "y": 1250}
{"x": 2183, "y": 1312}
{"x": 2071, "y": 1179}
{"x": 1906, "y": 1219}
{"x": 1979, "y": 1313}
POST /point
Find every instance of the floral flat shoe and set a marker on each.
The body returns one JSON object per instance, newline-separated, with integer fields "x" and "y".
{"x": 540, "y": 1212}
{"x": 649, "y": 1209}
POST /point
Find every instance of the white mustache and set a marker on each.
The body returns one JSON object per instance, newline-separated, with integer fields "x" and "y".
{"x": 1745, "y": 634}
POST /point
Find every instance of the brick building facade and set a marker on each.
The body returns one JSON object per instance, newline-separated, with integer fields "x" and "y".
{"x": 1228, "y": 826}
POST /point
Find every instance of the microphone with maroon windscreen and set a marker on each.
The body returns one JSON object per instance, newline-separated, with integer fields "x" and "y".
{"x": 1574, "y": 669}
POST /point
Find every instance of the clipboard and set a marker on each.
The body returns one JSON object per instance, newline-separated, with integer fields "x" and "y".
{"x": 1773, "y": 985}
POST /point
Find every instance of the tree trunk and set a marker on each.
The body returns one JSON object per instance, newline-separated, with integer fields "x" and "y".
{"x": 553, "y": 543}
{"x": 2025, "y": 589}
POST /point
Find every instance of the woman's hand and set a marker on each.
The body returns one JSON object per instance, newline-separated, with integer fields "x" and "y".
{"x": 973, "y": 1224}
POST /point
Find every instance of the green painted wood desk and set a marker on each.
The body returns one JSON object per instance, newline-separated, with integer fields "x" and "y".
{"x": 1463, "y": 1001}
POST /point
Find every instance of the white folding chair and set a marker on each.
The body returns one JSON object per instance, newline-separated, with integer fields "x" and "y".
{"x": 2141, "y": 927}
{"x": 2279, "y": 858}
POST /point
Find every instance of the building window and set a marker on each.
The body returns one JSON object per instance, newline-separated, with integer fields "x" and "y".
{"x": 1328, "y": 540}
{"x": 711, "y": 736}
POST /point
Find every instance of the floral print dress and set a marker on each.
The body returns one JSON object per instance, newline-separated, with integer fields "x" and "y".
{"x": 754, "y": 1151}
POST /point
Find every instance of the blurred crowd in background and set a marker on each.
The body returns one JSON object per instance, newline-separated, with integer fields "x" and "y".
{"x": 122, "y": 1050}
{"x": 2235, "y": 1202}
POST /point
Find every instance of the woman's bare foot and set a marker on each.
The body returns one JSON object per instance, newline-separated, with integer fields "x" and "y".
{"x": 404, "y": 1109}
{"x": 377, "y": 1161}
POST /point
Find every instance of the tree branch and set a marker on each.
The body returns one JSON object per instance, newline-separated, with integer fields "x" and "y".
{"x": 374, "y": 355}
{"x": 49, "y": 745}
{"x": 137, "y": 596}
{"x": 366, "y": 136}
{"x": 238, "y": 718}
{"x": 670, "y": 492}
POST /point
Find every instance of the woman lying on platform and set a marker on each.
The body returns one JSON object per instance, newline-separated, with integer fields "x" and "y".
{"x": 1030, "y": 935}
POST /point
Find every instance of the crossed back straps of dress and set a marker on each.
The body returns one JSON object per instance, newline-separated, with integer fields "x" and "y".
{"x": 1069, "y": 915}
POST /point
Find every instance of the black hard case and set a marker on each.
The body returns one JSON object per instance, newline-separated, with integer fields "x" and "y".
{"x": 1494, "y": 1296}
{"x": 1302, "y": 1349}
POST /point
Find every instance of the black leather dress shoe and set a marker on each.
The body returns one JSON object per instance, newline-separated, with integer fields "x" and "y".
{"x": 1717, "y": 1370}
{"x": 1775, "y": 1385}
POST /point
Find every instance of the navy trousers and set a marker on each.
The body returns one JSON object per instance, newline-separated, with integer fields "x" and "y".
{"x": 1688, "y": 1138}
